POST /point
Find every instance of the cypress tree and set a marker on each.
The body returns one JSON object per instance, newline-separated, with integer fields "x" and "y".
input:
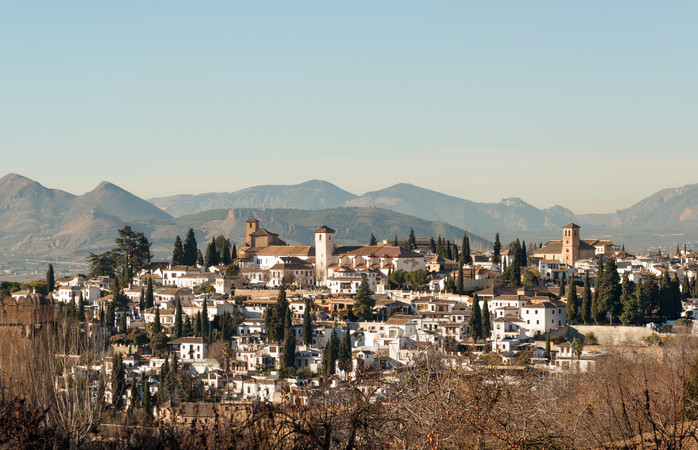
{"x": 486, "y": 324}
{"x": 448, "y": 250}
{"x": 561, "y": 292}
{"x": 465, "y": 250}
{"x": 475, "y": 321}
{"x": 233, "y": 253}
{"x": 187, "y": 327}
{"x": 676, "y": 305}
{"x": 211, "y": 258}
{"x": 572, "y": 302}
{"x": 141, "y": 301}
{"x": 665, "y": 296}
{"x": 631, "y": 307}
{"x": 609, "y": 292}
{"x": 686, "y": 286}
{"x": 327, "y": 367}
{"x": 199, "y": 258}
{"x": 497, "y": 249}
{"x": 81, "y": 308}
{"x": 395, "y": 241}
{"x": 147, "y": 406}
{"x": 411, "y": 241}
{"x": 372, "y": 240}
{"x": 547, "y": 346}
{"x": 307, "y": 325}
{"x": 50, "y": 279}
{"x": 190, "y": 248}
{"x": 459, "y": 280}
{"x": 334, "y": 354}
{"x": 158, "y": 326}
{"x": 178, "y": 321}
{"x": 515, "y": 275}
{"x": 122, "y": 323}
{"x": 111, "y": 315}
{"x": 524, "y": 255}
{"x": 288, "y": 356}
{"x": 205, "y": 325}
{"x": 117, "y": 382}
{"x": 440, "y": 247}
{"x": 149, "y": 298}
{"x": 345, "y": 351}
{"x": 196, "y": 324}
{"x": 224, "y": 254}
{"x": 432, "y": 245}
{"x": 178, "y": 257}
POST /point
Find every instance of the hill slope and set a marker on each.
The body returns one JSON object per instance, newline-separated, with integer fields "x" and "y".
{"x": 314, "y": 194}
{"x": 668, "y": 209}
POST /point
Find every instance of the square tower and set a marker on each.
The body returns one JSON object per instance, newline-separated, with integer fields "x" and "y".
{"x": 324, "y": 248}
{"x": 251, "y": 226}
{"x": 570, "y": 244}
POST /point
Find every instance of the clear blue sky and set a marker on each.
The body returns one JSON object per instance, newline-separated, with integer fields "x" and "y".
{"x": 592, "y": 105}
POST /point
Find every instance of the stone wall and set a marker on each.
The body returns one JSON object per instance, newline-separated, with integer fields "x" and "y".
{"x": 617, "y": 335}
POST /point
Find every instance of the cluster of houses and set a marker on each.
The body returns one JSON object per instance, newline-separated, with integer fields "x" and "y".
{"x": 324, "y": 278}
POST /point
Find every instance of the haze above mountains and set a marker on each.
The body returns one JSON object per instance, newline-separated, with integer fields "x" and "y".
{"x": 42, "y": 223}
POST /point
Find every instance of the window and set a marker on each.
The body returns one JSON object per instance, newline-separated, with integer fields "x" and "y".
{"x": 537, "y": 322}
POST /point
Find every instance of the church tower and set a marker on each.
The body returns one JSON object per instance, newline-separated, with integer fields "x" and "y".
{"x": 251, "y": 226}
{"x": 324, "y": 248}
{"x": 570, "y": 243}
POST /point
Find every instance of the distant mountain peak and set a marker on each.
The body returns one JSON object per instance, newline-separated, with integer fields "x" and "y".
{"x": 107, "y": 186}
{"x": 513, "y": 201}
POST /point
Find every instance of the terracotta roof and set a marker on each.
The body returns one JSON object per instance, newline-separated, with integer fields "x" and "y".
{"x": 263, "y": 232}
{"x": 571, "y": 225}
{"x": 286, "y": 250}
{"x": 324, "y": 229}
{"x": 390, "y": 251}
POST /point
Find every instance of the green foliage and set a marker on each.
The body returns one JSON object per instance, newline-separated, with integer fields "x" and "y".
{"x": 497, "y": 250}
{"x": 486, "y": 325}
{"x": 577, "y": 347}
{"x": 586, "y": 300}
{"x": 177, "y": 332}
{"x": 372, "y": 240}
{"x": 118, "y": 384}
{"x": 632, "y": 310}
{"x": 288, "y": 356}
{"x": 50, "y": 278}
{"x": 590, "y": 339}
{"x": 149, "y": 296}
{"x": 410, "y": 243}
{"x": 307, "y": 325}
{"x": 475, "y": 320}
{"x": 608, "y": 291}
{"x": 572, "y": 302}
{"x": 547, "y": 346}
{"x": 159, "y": 344}
{"x": 363, "y": 301}
{"x": 190, "y": 248}
{"x": 156, "y": 324}
{"x": 561, "y": 291}
{"x": 178, "y": 252}
{"x": 417, "y": 278}
{"x": 275, "y": 315}
{"x": 465, "y": 257}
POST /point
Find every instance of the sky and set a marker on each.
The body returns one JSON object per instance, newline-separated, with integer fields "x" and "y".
{"x": 589, "y": 105}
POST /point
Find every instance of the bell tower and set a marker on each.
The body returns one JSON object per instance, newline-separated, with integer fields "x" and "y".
{"x": 570, "y": 244}
{"x": 324, "y": 248}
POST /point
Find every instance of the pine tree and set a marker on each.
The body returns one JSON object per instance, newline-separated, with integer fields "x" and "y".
{"x": 561, "y": 292}
{"x": 117, "y": 382}
{"x": 307, "y": 325}
{"x": 411, "y": 241}
{"x": 372, "y": 240}
{"x": 178, "y": 257}
{"x": 486, "y": 324}
{"x": 178, "y": 321}
{"x": 149, "y": 298}
{"x": 158, "y": 326}
{"x": 288, "y": 356}
{"x": 572, "y": 302}
{"x": 475, "y": 321}
{"x": 497, "y": 249}
{"x": 364, "y": 301}
{"x": 190, "y": 248}
{"x": 50, "y": 279}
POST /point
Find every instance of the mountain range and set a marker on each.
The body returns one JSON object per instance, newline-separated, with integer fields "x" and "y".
{"x": 39, "y": 222}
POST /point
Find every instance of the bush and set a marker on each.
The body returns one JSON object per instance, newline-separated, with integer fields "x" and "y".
{"x": 590, "y": 339}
